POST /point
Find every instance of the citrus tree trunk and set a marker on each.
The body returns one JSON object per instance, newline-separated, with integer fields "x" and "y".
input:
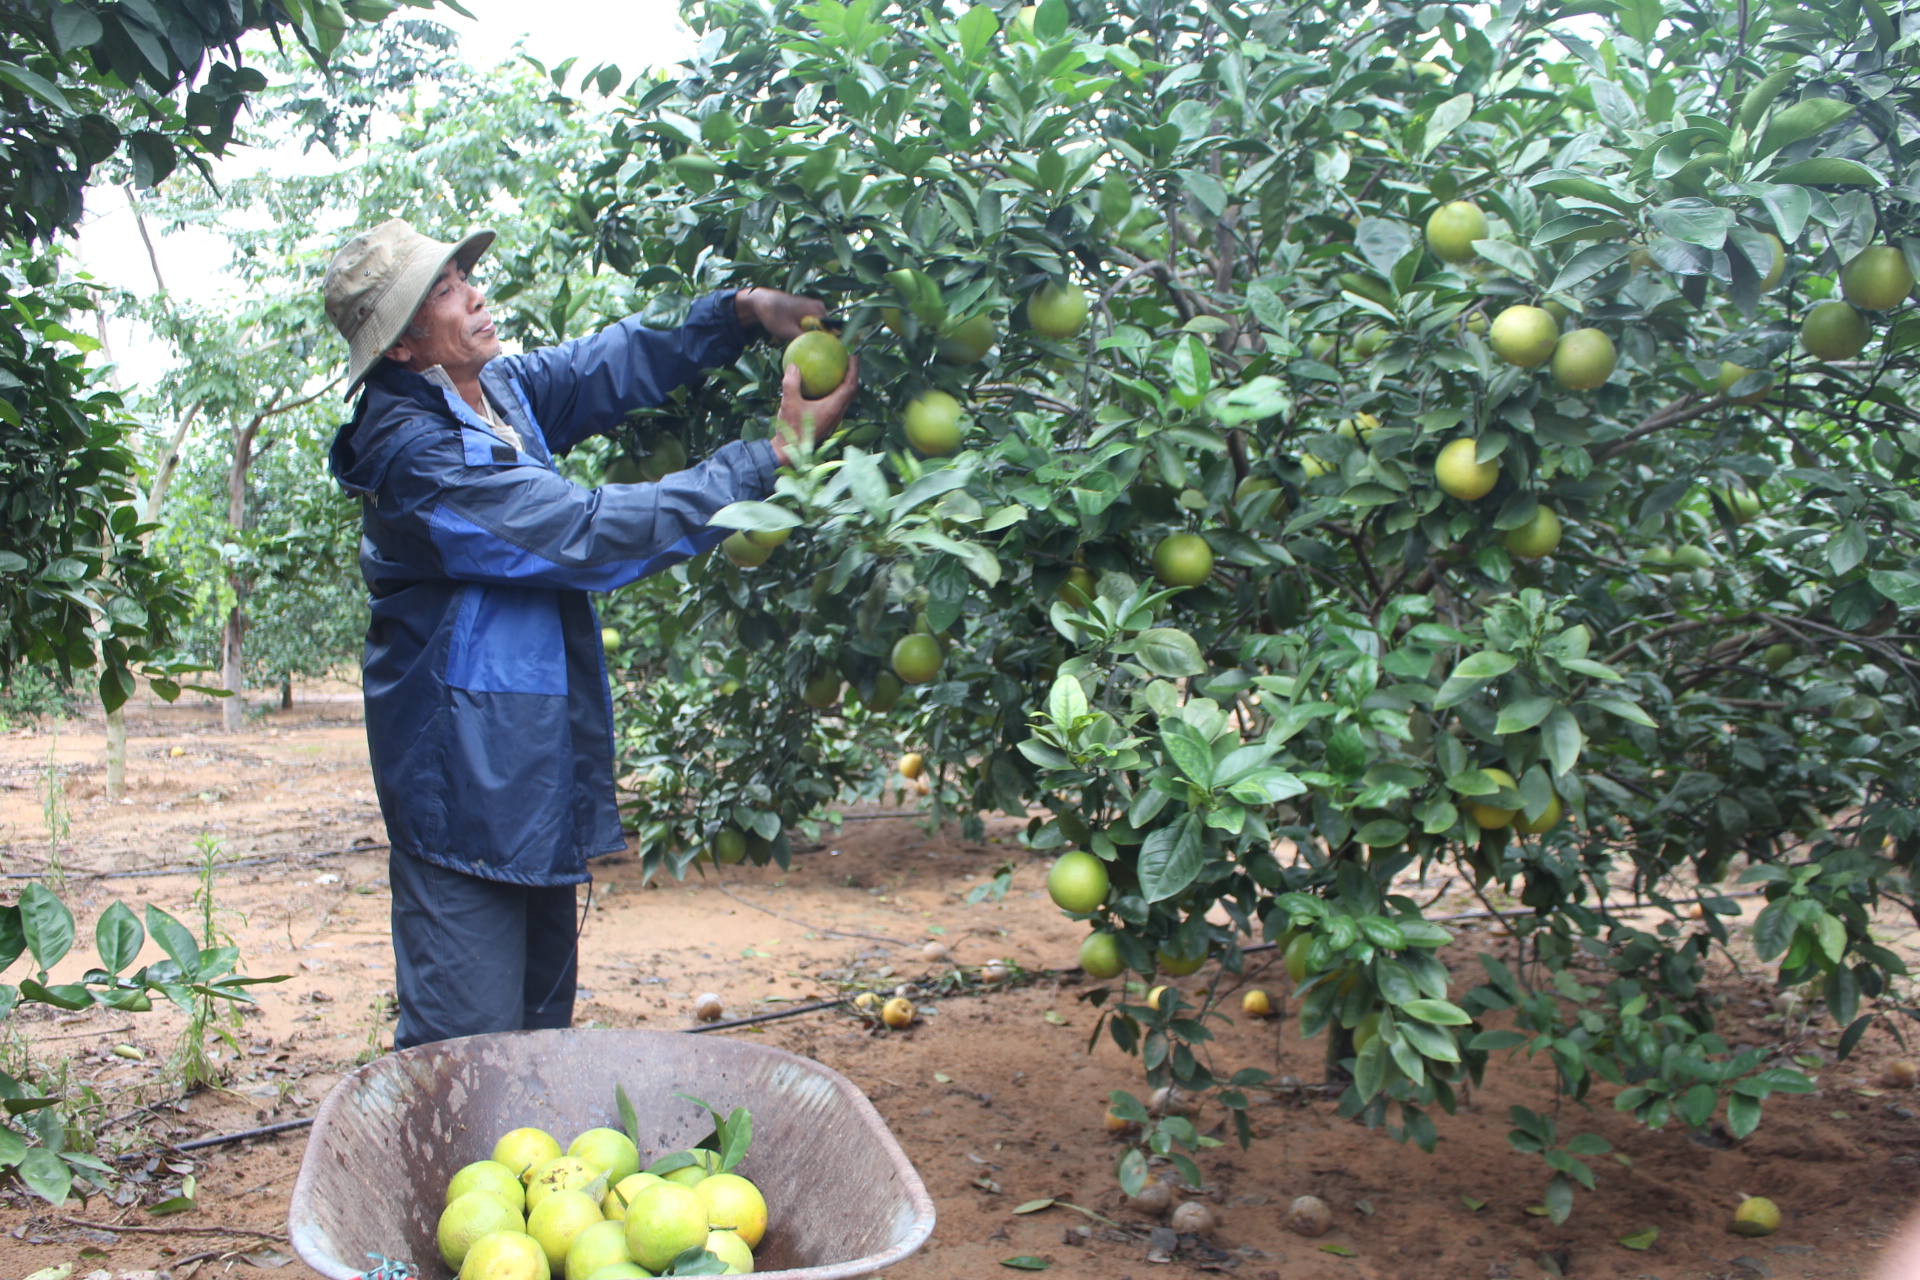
{"x": 232, "y": 670}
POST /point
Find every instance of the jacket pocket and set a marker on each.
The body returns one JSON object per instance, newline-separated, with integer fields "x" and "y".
{"x": 508, "y": 640}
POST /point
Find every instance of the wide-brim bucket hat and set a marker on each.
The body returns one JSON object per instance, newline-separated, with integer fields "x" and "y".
{"x": 378, "y": 280}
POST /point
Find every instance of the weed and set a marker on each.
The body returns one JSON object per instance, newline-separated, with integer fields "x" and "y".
{"x": 53, "y": 806}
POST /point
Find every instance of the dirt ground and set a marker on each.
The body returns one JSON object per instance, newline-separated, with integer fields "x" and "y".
{"x": 996, "y": 1097}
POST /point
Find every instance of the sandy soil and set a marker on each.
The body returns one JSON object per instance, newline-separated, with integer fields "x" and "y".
{"x": 995, "y": 1096}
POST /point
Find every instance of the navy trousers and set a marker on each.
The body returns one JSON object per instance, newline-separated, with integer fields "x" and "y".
{"x": 473, "y": 955}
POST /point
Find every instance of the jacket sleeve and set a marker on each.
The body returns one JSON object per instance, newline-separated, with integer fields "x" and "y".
{"x": 583, "y": 387}
{"x": 523, "y": 525}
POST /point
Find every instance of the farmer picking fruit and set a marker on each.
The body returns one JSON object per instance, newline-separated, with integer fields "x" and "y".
{"x": 488, "y": 716}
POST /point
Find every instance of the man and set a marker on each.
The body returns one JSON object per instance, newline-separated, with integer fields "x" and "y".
{"x": 488, "y": 716}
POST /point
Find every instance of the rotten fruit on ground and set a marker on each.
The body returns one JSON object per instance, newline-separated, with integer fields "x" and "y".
{"x": 897, "y": 1012}
{"x": 1194, "y": 1217}
{"x": 1257, "y": 1004}
{"x": 1309, "y": 1216}
{"x": 1756, "y": 1216}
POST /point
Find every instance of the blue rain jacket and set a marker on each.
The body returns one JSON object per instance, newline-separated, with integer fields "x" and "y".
{"x": 488, "y": 715}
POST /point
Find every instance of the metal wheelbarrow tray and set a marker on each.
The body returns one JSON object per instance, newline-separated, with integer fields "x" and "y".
{"x": 843, "y": 1200}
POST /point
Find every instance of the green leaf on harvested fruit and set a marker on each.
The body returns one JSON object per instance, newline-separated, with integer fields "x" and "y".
{"x": 1473, "y": 1204}
{"x": 1026, "y": 1262}
{"x": 1641, "y": 1240}
{"x": 1337, "y": 1250}
{"x": 1035, "y": 1206}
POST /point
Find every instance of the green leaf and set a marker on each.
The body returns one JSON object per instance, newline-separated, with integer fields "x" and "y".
{"x": 47, "y": 925}
{"x": 1516, "y": 717}
{"x": 35, "y": 86}
{"x": 757, "y": 516}
{"x": 1694, "y": 221}
{"x": 1447, "y": 117}
{"x": 1167, "y": 651}
{"x": 1067, "y": 703}
{"x": 1035, "y": 1206}
{"x": 118, "y": 938}
{"x": 1190, "y": 751}
{"x": 629, "y": 1118}
{"x": 1170, "y": 860}
{"x": 1803, "y": 119}
{"x": 1439, "y": 1012}
{"x": 1026, "y": 1262}
{"x": 1830, "y": 173}
{"x": 1337, "y": 1250}
{"x": 1562, "y": 740}
{"x": 1484, "y": 665}
{"x": 1559, "y": 1198}
{"x": 175, "y": 941}
{"x": 1641, "y": 1240}
{"x": 977, "y": 27}
{"x": 47, "y": 1176}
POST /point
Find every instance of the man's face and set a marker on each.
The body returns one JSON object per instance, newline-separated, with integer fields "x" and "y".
{"x": 452, "y": 328}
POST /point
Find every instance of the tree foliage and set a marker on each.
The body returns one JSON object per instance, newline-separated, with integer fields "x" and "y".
{"x": 1711, "y": 670}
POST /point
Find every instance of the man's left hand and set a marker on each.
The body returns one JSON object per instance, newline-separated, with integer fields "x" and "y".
{"x": 778, "y": 314}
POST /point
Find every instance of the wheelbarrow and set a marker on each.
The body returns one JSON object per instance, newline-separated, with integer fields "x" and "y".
{"x": 844, "y": 1201}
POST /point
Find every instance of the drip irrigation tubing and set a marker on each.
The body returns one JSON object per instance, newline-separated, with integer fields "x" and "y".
{"x": 188, "y": 869}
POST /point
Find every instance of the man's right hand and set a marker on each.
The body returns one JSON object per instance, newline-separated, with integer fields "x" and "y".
{"x": 823, "y": 415}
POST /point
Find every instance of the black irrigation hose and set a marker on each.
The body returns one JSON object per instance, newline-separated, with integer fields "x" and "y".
{"x": 186, "y": 870}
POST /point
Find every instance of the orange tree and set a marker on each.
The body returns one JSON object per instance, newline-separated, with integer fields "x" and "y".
{"x": 1479, "y": 459}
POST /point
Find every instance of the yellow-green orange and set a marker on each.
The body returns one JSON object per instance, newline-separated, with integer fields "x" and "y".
{"x": 608, "y": 1150}
{"x": 1057, "y": 311}
{"x": 1877, "y": 279}
{"x": 1756, "y": 1216}
{"x": 916, "y": 658}
{"x": 743, "y": 551}
{"x": 604, "y": 1244}
{"x": 1537, "y": 537}
{"x": 621, "y": 1194}
{"x": 488, "y": 1175}
{"x": 886, "y": 693}
{"x": 822, "y": 691}
{"x": 1452, "y": 229}
{"x": 1077, "y": 882}
{"x": 933, "y": 424}
{"x": 1314, "y": 465}
{"x": 1078, "y": 588}
{"x": 1549, "y": 817}
{"x": 968, "y": 341}
{"x": 1524, "y": 336}
{"x": 506, "y": 1255}
{"x": 621, "y": 1271}
{"x": 1100, "y": 956}
{"x": 705, "y": 1164}
{"x": 1730, "y": 374}
{"x": 1777, "y": 656}
{"x": 1777, "y": 266}
{"x": 559, "y": 1219}
{"x": 1834, "y": 331}
{"x": 1487, "y": 815}
{"x": 1742, "y": 503}
{"x": 822, "y": 359}
{"x": 562, "y": 1173}
{"x": 524, "y": 1150}
{"x": 1182, "y": 560}
{"x": 768, "y": 538}
{"x": 734, "y": 1204}
{"x": 732, "y": 1250}
{"x": 1299, "y": 956}
{"x": 1460, "y": 476}
{"x": 470, "y": 1216}
{"x": 729, "y": 847}
{"x": 1179, "y": 966}
{"x": 1584, "y": 359}
{"x": 663, "y": 1221}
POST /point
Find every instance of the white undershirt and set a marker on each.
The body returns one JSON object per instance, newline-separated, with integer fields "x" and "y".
{"x": 439, "y": 377}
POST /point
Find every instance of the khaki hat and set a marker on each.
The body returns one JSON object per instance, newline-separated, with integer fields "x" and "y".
{"x": 379, "y": 279}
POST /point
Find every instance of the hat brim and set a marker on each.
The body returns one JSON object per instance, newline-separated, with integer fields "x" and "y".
{"x": 395, "y": 311}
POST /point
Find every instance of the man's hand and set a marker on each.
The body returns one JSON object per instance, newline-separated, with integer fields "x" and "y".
{"x": 778, "y": 314}
{"x": 798, "y": 413}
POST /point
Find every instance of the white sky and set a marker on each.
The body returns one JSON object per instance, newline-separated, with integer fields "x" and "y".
{"x": 633, "y": 34}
